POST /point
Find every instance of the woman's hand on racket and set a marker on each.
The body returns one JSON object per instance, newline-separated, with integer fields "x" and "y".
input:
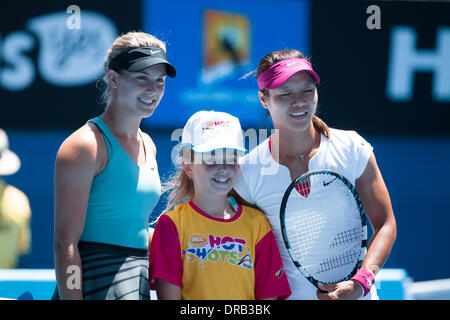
{"x": 345, "y": 290}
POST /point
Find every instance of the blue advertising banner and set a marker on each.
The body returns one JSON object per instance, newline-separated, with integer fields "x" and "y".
{"x": 213, "y": 44}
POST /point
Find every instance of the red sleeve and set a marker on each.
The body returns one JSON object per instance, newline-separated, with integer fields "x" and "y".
{"x": 165, "y": 253}
{"x": 270, "y": 276}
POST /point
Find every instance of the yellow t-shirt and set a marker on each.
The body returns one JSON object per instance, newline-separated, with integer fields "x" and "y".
{"x": 15, "y": 231}
{"x": 217, "y": 259}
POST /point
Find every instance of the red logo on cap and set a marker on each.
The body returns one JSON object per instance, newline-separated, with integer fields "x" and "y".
{"x": 211, "y": 125}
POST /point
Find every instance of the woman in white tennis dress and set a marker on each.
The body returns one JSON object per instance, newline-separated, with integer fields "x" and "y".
{"x": 302, "y": 142}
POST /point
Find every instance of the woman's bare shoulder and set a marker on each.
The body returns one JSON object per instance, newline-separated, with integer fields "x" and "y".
{"x": 84, "y": 147}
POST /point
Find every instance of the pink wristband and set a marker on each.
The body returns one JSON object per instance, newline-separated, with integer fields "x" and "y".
{"x": 365, "y": 278}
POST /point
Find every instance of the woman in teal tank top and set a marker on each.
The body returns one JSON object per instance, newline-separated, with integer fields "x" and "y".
{"x": 107, "y": 181}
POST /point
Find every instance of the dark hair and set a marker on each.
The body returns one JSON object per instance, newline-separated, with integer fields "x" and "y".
{"x": 269, "y": 60}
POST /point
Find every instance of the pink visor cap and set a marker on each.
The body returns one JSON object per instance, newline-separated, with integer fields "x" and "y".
{"x": 276, "y": 75}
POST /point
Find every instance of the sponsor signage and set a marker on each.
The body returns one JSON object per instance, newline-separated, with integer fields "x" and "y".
{"x": 384, "y": 66}
{"x": 51, "y": 56}
{"x": 213, "y": 44}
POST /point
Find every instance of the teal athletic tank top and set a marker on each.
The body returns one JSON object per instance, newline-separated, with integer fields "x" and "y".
{"x": 122, "y": 196}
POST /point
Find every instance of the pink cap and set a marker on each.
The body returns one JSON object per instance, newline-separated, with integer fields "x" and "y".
{"x": 276, "y": 75}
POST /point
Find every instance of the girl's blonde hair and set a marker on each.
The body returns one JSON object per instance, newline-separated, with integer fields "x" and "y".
{"x": 127, "y": 41}
{"x": 180, "y": 185}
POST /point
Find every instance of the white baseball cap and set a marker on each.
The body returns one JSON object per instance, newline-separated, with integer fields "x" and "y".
{"x": 9, "y": 161}
{"x": 206, "y": 131}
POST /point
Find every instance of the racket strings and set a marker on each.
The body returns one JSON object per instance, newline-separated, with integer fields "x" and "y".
{"x": 338, "y": 261}
{"x": 323, "y": 231}
{"x": 345, "y": 237}
{"x": 304, "y": 188}
{"x": 304, "y": 231}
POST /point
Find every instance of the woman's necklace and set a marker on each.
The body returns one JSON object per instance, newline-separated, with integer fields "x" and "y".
{"x": 302, "y": 156}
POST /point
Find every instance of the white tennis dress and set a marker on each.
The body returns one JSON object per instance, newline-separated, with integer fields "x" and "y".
{"x": 262, "y": 181}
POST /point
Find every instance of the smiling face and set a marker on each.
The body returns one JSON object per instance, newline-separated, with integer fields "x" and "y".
{"x": 139, "y": 92}
{"x": 293, "y": 104}
{"x": 214, "y": 174}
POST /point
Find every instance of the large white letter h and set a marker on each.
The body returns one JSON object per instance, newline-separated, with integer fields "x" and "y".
{"x": 405, "y": 59}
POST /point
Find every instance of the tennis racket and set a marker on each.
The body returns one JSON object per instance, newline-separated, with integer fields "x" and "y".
{"x": 324, "y": 228}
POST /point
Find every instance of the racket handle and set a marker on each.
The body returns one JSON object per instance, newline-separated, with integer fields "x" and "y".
{"x": 365, "y": 278}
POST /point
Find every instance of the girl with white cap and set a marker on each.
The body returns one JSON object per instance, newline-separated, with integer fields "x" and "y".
{"x": 207, "y": 247}
{"x": 107, "y": 181}
{"x": 302, "y": 142}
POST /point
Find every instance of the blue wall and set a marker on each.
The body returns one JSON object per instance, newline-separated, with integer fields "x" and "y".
{"x": 415, "y": 170}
